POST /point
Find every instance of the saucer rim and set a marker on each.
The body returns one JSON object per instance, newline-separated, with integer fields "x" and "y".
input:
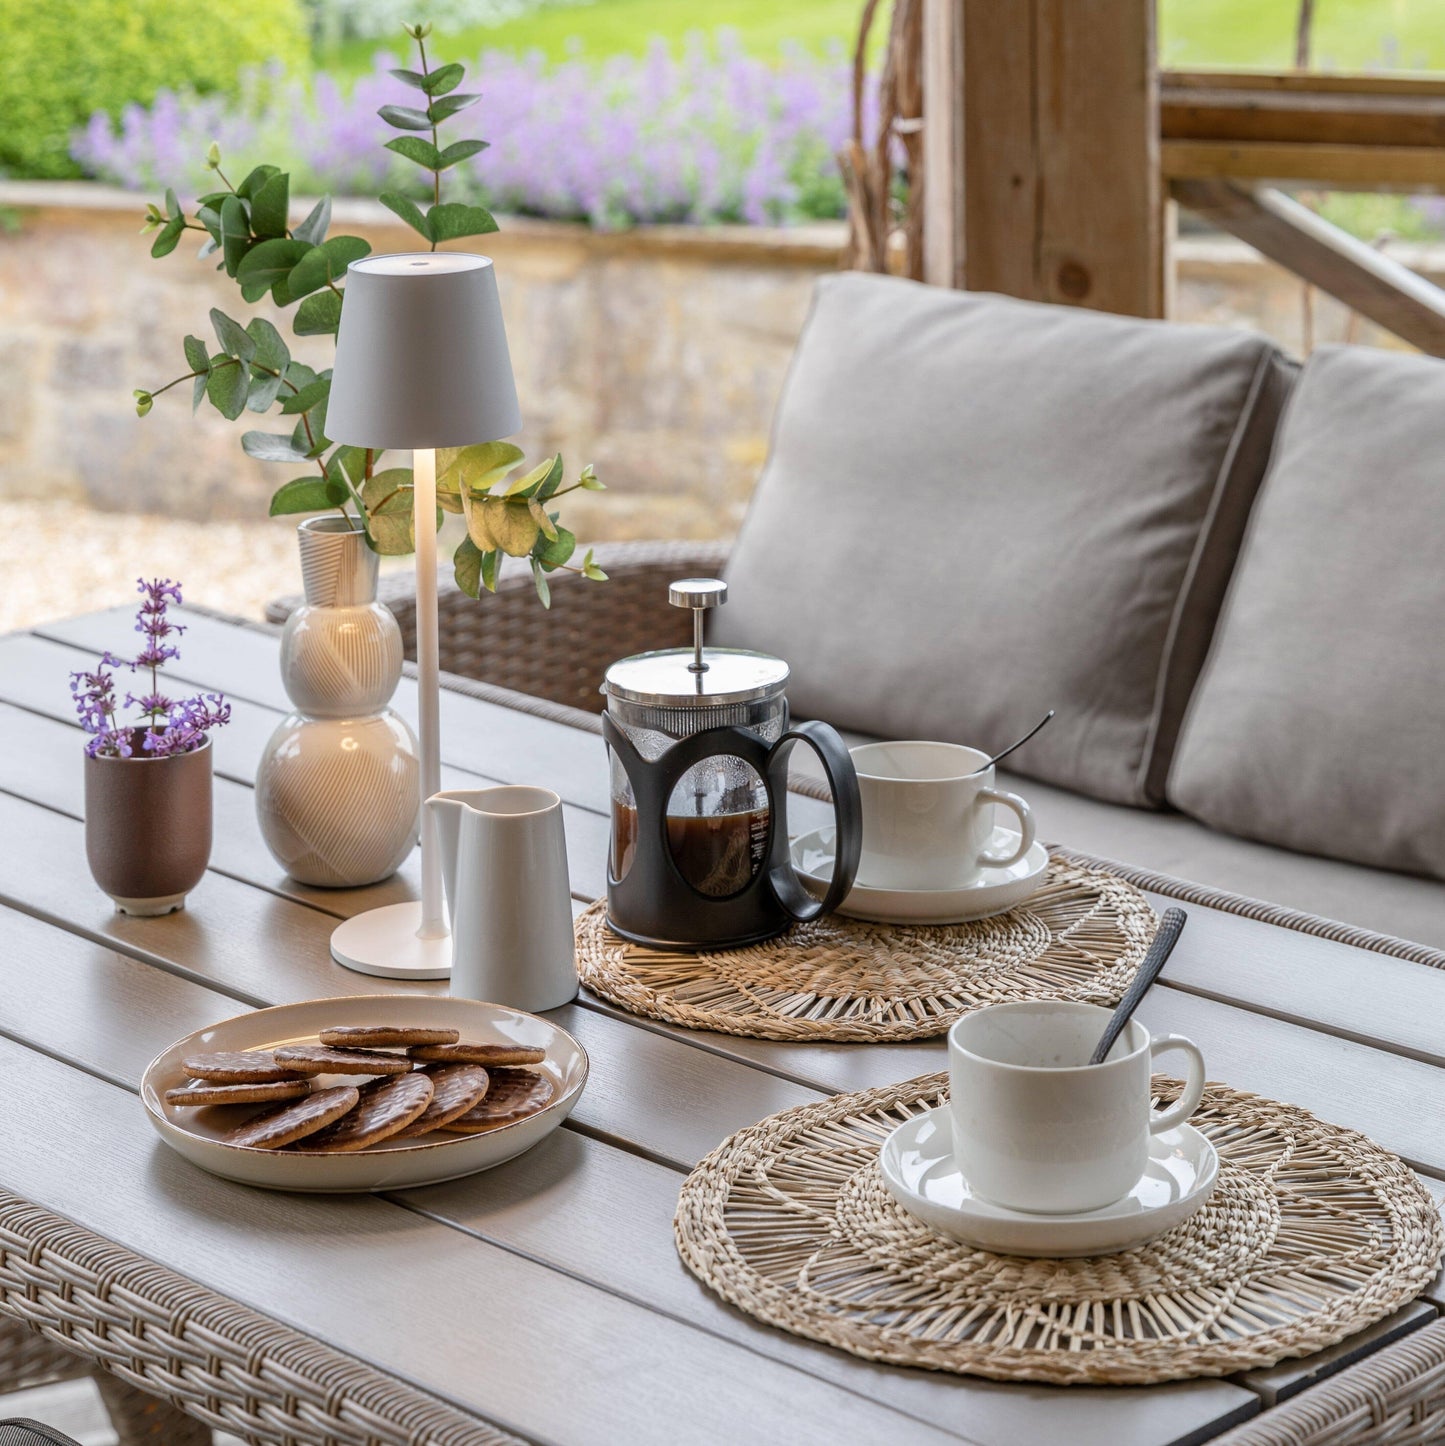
{"x": 1005, "y": 1218}
{"x": 877, "y": 892}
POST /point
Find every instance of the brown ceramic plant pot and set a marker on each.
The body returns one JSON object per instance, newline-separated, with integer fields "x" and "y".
{"x": 148, "y": 826}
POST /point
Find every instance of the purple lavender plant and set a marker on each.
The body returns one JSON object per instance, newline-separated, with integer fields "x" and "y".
{"x": 162, "y": 726}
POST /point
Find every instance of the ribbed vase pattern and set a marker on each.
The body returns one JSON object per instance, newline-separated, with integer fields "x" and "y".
{"x": 337, "y": 793}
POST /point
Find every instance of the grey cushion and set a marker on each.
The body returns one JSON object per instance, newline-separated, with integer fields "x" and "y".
{"x": 1319, "y": 722}
{"x": 977, "y": 508}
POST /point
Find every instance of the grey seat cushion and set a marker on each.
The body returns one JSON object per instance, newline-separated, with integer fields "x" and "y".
{"x": 977, "y": 508}
{"x": 1319, "y": 721}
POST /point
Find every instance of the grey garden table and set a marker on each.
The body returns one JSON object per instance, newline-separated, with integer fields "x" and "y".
{"x": 543, "y": 1300}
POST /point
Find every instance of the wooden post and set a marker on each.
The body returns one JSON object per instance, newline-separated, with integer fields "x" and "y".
{"x": 1062, "y": 193}
{"x": 943, "y": 183}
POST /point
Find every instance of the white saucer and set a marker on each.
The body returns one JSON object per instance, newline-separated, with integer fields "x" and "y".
{"x": 918, "y": 1168}
{"x": 995, "y": 891}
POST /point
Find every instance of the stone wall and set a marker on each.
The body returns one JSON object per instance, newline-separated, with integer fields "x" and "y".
{"x": 657, "y": 354}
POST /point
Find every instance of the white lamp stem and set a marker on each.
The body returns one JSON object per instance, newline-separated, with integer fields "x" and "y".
{"x": 424, "y": 505}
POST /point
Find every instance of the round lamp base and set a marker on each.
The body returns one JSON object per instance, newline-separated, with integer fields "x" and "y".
{"x": 383, "y": 942}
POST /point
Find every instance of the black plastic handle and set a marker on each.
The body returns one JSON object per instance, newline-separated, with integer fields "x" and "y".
{"x": 842, "y": 778}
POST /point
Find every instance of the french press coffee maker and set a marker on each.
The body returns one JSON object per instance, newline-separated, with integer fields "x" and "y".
{"x": 699, "y": 742}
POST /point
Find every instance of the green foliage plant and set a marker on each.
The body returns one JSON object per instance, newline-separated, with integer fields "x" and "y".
{"x": 62, "y": 60}
{"x": 250, "y": 367}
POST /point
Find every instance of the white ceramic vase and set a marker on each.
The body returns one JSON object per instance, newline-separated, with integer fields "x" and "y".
{"x": 338, "y": 789}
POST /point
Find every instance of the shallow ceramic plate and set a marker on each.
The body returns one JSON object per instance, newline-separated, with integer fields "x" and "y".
{"x": 919, "y": 1170}
{"x": 195, "y": 1133}
{"x": 995, "y": 891}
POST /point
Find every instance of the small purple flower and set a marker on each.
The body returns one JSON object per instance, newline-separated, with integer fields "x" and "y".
{"x": 167, "y": 726}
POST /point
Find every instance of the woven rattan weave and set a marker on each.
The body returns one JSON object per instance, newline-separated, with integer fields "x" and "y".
{"x": 1080, "y": 936}
{"x": 1312, "y": 1233}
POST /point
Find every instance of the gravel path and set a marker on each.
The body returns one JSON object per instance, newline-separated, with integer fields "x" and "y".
{"x": 57, "y": 561}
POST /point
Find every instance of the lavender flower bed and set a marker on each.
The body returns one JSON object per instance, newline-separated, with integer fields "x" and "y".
{"x": 710, "y": 134}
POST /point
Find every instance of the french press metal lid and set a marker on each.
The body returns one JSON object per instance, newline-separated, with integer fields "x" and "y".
{"x": 699, "y": 741}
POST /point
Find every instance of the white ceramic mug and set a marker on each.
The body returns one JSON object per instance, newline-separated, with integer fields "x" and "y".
{"x": 928, "y": 815}
{"x": 1038, "y": 1128}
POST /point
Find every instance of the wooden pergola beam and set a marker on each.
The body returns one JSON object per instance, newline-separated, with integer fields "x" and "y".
{"x": 1361, "y": 132}
{"x": 1062, "y": 193}
{"x": 1379, "y": 288}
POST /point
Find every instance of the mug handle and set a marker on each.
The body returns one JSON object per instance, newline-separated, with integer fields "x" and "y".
{"x": 1025, "y": 815}
{"x": 842, "y": 778}
{"x": 1193, "y": 1092}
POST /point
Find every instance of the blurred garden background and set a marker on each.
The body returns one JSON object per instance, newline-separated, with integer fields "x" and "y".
{"x": 665, "y": 176}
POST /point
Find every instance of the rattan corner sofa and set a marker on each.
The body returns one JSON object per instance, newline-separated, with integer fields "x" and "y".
{"x": 1223, "y": 569}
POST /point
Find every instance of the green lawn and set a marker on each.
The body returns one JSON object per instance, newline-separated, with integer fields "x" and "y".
{"x": 1348, "y": 34}
{"x": 617, "y": 27}
{"x": 1259, "y": 34}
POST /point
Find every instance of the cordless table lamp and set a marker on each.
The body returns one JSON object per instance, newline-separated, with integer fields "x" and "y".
{"x": 421, "y": 363}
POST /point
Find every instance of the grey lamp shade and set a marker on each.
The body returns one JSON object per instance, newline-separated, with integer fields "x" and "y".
{"x": 421, "y": 355}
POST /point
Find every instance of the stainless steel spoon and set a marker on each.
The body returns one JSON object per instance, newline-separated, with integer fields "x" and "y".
{"x": 1170, "y": 927}
{"x": 1019, "y": 744}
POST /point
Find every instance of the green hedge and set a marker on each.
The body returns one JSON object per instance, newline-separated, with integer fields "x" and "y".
{"x": 62, "y": 60}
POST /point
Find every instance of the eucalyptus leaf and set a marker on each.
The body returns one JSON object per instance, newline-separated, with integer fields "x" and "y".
{"x": 271, "y": 447}
{"x": 475, "y": 469}
{"x": 409, "y": 212}
{"x": 539, "y": 516}
{"x": 313, "y": 229}
{"x": 552, "y": 553}
{"x": 309, "y": 443}
{"x": 452, "y": 220}
{"x": 510, "y": 523}
{"x": 271, "y": 350}
{"x": 197, "y": 357}
{"x": 232, "y": 336}
{"x": 414, "y": 148}
{"x": 256, "y": 179}
{"x": 448, "y": 105}
{"x": 459, "y": 151}
{"x": 318, "y": 315}
{"x": 198, "y": 392}
{"x": 235, "y": 235}
{"x": 491, "y": 566}
{"x": 271, "y": 261}
{"x": 544, "y": 588}
{"x": 307, "y": 397}
{"x": 168, "y": 237}
{"x": 467, "y": 567}
{"x": 325, "y": 263}
{"x": 443, "y": 79}
{"x": 299, "y": 374}
{"x": 388, "y": 499}
{"x": 477, "y": 529}
{"x": 173, "y": 206}
{"x": 270, "y": 206}
{"x": 262, "y": 393}
{"x": 307, "y": 494}
{"x": 414, "y": 78}
{"x": 405, "y": 118}
{"x": 227, "y": 385}
{"x": 541, "y": 482}
{"x": 347, "y": 463}
{"x": 210, "y": 218}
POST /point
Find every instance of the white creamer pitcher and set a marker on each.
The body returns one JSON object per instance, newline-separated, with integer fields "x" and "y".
{"x": 504, "y": 862}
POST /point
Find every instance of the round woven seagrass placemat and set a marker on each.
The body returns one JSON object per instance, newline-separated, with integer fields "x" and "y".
{"x": 1312, "y": 1233}
{"x": 1080, "y": 936}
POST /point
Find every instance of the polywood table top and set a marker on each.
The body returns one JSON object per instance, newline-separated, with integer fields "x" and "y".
{"x": 545, "y": 1296}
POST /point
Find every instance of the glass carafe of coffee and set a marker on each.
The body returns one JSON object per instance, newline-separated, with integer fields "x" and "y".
{"x": 699, "y": 742}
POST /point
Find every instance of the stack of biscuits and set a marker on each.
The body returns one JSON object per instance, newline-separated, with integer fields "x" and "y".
{"x": 409, "y": 1082}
